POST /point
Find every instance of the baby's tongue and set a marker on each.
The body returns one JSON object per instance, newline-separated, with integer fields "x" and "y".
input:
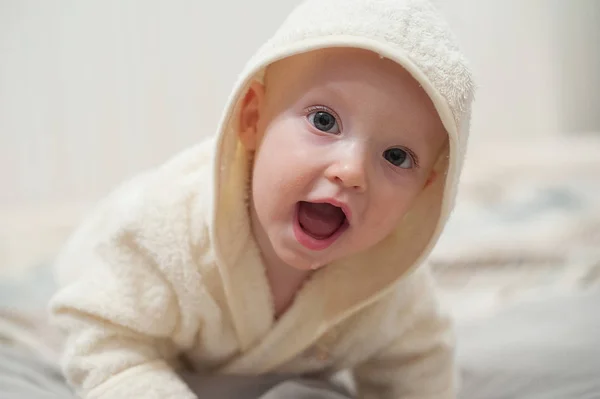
{"x": 320, "y": 220}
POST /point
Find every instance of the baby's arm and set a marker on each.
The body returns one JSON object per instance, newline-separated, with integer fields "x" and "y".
{"x": 419, "y": 363}
{"x": 119, "y": 304}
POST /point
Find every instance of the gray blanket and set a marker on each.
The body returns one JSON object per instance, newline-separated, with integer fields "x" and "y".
{"x": 544, "y": 349}
{"x": 23, "y": 376}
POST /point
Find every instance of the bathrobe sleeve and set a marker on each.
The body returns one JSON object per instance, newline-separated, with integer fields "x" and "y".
{"x": 118, "y": 322}
{"x": 124, "y": 277}
{"x": 419, "y": 362}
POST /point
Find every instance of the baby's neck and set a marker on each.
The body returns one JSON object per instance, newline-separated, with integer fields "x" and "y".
{"x": 285, "y": 282}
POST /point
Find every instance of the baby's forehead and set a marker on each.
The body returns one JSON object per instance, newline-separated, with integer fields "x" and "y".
{"x": 345, "y": 67}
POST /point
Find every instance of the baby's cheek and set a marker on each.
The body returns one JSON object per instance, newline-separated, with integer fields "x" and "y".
{"x": 386, "y": 216}
{"x": 381, "y": 229}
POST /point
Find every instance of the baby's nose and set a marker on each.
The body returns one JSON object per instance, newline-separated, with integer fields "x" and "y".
{"x": 349, "y": 172}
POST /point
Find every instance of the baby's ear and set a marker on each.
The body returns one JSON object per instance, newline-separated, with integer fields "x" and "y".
{"x": 250, "y": 114}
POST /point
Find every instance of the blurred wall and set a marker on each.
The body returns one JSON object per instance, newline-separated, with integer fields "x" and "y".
{"x": 94, "y": 91}
{"x": 578, "y": 52}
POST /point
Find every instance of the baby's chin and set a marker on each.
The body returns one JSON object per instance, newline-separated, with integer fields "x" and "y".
{"x": 307, "y": 263}
{"x": 302, "y": 262}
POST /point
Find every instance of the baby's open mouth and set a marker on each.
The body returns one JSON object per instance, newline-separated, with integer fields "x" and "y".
{"x": 320, "y": 220}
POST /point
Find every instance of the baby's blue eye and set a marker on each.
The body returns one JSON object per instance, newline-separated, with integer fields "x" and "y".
{"x": 398, "y": 157}
{"x": 324, "y": 121}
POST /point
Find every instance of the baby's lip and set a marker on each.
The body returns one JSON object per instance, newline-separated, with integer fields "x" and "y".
{"x": 335, "y": 202}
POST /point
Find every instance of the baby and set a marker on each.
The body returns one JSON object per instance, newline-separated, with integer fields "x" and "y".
{"x": 293, "y": 242}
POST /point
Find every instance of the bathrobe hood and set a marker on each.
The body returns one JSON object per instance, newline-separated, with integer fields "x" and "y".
{"x": 409, "y": 32}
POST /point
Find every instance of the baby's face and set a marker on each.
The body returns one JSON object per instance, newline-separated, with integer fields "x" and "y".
{"x": 344, "y": 141}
